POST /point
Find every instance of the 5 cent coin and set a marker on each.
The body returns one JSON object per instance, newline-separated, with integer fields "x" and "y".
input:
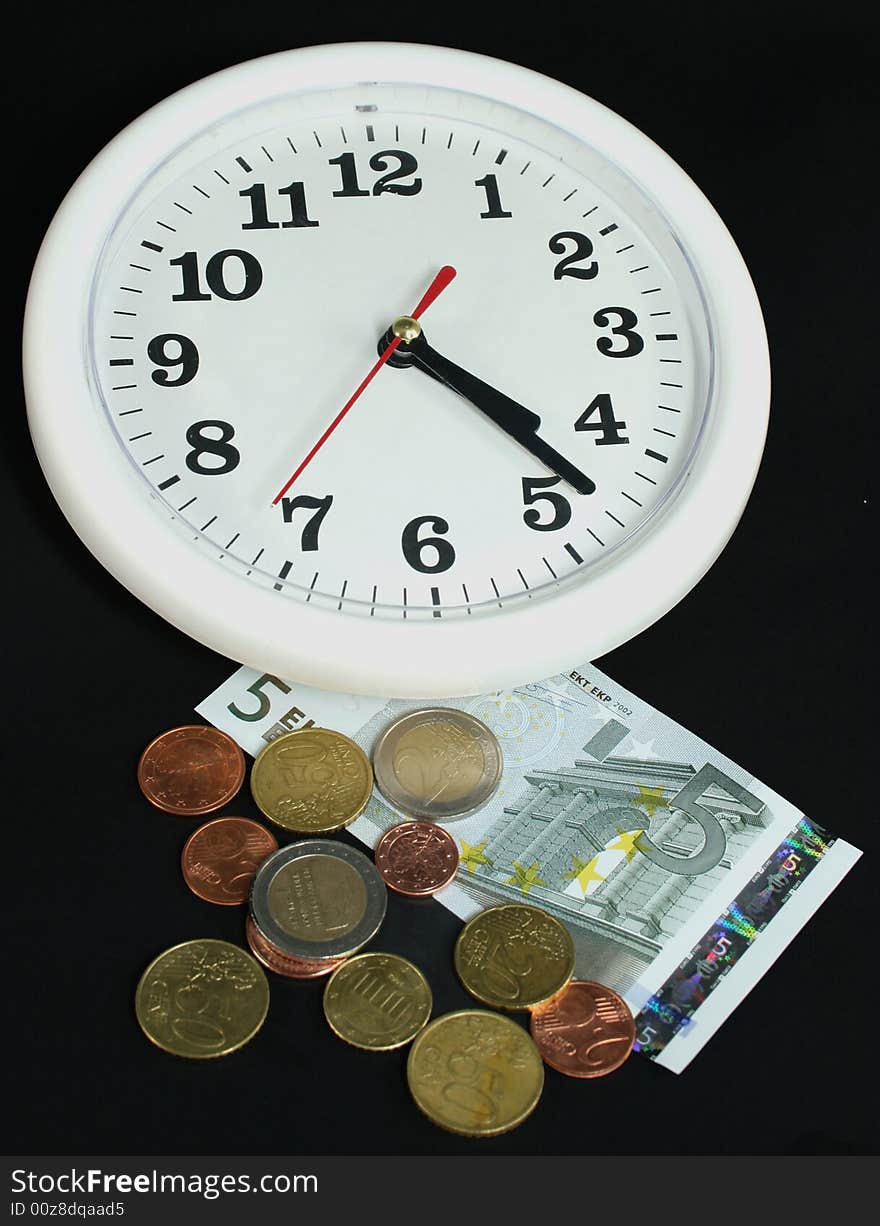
{"x": 437, "y": 763}
{"x": 586, "y": 1031}
{"x": 220, "y": 858}
{"x": 475, "y": 1073}
{"x": 191, "y": 770}
{"x": 377, "y": 1001}
{"x": 202, "y": 999}
{"x": 416, "y": 858}
{"x": 312, "y": 781}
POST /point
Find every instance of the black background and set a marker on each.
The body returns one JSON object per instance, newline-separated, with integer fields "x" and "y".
{"x": 774, "y": 117}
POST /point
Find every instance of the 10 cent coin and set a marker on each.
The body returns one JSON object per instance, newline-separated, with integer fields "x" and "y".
{"x": 377, "y": 1001}
{"x": 514, "y": 956}
{"x": 437, "y": 763}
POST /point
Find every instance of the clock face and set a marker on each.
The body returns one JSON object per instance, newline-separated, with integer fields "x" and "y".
{"x": 243, "y": 303}
{"x": 243, "y": 285}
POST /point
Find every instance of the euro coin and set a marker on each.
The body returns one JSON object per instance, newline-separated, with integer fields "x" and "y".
{"x": 437, "y": 763}
{"x": 202, "y": 999}
{"x": 514, "y": 956}
{"x": 282, "y": 964}
{"x": 377, "y": 1001}
{"x": 191, "y": 770}
{"x": 585, "y": 1031}
{"x": 220, "y": 858}
{"x": 475, "y": 1073}
{"x": 318, "y": 899}
{"x": 416, "y": 858}
{"x": 312, "y": 781}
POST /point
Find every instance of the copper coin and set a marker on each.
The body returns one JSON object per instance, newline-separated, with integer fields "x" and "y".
{"x": 416, "y": 858}
{"x": 191, "y": 770}
{"x": 220, "y": 858}
{"x": 283, "y": 964}
{"x": 585, "y": 1031}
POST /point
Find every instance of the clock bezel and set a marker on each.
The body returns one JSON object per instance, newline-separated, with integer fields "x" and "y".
{"x": 94, "y": 484}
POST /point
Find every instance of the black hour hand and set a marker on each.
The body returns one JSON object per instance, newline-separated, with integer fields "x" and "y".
{"x": 513, "y": 418}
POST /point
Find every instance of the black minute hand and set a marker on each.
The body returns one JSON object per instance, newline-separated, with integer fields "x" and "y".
{"x": 513, "y": 418}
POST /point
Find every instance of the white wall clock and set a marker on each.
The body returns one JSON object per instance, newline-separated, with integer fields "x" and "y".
{"x": 543, "y": 472}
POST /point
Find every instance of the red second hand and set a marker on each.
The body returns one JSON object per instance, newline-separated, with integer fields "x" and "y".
{"x": 437, "y": 286}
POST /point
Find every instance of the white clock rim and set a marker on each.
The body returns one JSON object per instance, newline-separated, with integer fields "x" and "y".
{"x": 119, "y": 522}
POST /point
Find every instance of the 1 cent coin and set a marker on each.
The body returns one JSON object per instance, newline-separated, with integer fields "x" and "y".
{"x": 514, "y": 956}
{"x": 475, "y": 1073}
{"x": 437, "y": 763}
{"x": 202, "y": 999}
{"x": 416, "y": 858}
{"x": 377, "y": 1001}
{"x": 312, "y": 781}
{"x": 284, "y": 964}
{"x": 220, "y": 858}
{"x": 586, "y": 1031}
{"x": 191, "y": 770}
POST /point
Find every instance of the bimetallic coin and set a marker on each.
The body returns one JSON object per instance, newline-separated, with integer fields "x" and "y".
{"x": 318, "y": 899}
{"x": 475, "y": 1073}
{"x": 437, "y": 763}
{"x": 416, "y": 858}
{"x": 191, "y": 770}
{"x": 514, "y": 957}
{"x": 202, "y": 999}
{"x": 312, "y": 781}
{"x": 377, "y": 1001}
{"x": 585, "y": 1031}
{"x": 282, "y": 964}
{"x": 220, "y": 858}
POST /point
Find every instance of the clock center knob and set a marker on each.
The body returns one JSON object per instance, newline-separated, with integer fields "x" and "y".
{"x": 406, "y": 328}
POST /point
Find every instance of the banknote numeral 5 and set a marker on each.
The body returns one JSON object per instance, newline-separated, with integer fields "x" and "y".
{"x": 264, "y": 703}
{"x": 715, "y": 841}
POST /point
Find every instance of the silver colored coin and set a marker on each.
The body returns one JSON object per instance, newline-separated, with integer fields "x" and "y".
{"x": 437, "y": 763}
{"x": 318, "y": 899}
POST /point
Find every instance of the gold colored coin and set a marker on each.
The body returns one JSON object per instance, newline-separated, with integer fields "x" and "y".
{"x": 312, "y": 781}
{"x": 377, "y": 1001}
{"x": 514, "y": 957}
{"x": 202, "y": 999}
{"x": 475, "y": 1073}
